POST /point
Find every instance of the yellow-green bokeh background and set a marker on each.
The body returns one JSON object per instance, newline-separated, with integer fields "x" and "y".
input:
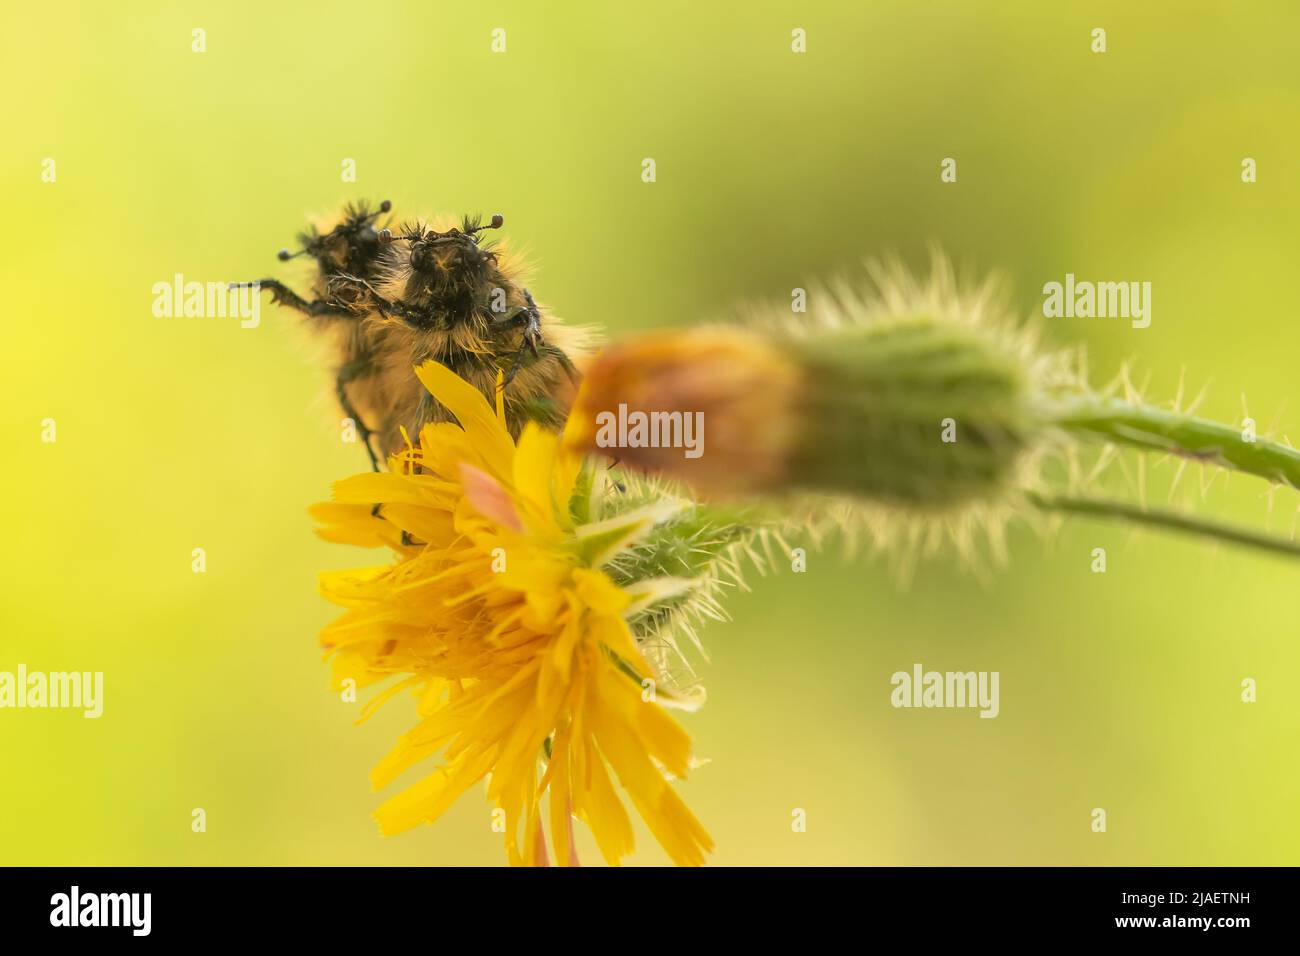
{"x": 1118, "y": 690}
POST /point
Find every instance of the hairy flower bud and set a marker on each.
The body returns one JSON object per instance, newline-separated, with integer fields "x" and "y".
{"x": 913, "y": 410}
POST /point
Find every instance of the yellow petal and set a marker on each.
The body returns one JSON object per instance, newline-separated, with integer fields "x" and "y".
{"x": 474, "y": 413}
{"x": 376, "y": 487}
{"x": 598, "y": 592}
{"x": 429, "y": 798}
{"x": 673, "y": 825}
{"x": 533, "y": 471}
{"x": 599, "y": 805}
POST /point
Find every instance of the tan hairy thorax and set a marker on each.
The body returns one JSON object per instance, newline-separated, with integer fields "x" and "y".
{"x": 387, "y": 397}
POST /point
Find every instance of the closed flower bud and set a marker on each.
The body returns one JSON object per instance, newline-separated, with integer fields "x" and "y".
{"x": 927, "y": 409}
{"x": 715, "y": 406}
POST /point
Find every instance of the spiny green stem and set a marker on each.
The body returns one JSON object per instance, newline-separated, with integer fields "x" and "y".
{"x": 1171, "y": 520}
{"x": 1159, "y": 429}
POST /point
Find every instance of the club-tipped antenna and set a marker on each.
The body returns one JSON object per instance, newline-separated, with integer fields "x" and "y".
{"x": 385, "y": 206}
{"x": 496, "y": 222}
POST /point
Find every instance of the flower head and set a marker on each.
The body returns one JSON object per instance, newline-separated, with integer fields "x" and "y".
{"x": 501, "y": 613}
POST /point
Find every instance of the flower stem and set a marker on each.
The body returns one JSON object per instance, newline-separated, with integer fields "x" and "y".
{"x": 1171, "y": 520}
{"x": 1159, "y": 429}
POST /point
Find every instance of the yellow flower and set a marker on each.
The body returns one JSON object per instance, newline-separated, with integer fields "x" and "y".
{"x": 500, "y": 614}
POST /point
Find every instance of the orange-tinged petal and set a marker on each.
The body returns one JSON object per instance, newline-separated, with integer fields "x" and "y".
{"x": 492, "y": 501}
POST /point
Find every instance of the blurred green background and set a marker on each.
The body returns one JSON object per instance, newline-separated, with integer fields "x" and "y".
{"x": 1118, "y": 691}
